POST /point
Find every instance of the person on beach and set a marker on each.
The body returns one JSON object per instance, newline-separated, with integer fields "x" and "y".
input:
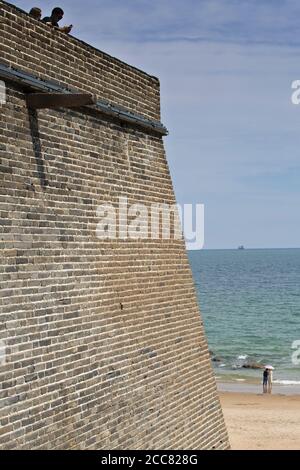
{"x": 270, "y": 380}
{"x": 53, "y": 20}
{"x": 36, "y": 13}
{"x": 265, "y": 380}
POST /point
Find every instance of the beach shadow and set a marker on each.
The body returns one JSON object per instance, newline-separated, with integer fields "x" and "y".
{"x": 36, "y": 144}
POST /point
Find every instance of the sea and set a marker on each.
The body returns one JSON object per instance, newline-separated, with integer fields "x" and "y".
{"x": 250, "y": 303}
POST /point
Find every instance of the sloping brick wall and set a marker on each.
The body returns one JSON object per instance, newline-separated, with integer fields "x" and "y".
{"x": 105, "y": 347}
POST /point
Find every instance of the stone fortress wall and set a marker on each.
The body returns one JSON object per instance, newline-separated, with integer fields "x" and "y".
{"x": 104, "y": 343}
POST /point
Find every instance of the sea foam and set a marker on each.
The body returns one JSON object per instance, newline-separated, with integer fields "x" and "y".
{"x": 287, "y": 382}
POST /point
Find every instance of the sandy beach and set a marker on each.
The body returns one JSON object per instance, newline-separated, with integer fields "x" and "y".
{"x": 262, "y": 422}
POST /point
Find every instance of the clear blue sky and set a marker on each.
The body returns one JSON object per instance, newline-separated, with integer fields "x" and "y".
{"x": 226, "y": 68}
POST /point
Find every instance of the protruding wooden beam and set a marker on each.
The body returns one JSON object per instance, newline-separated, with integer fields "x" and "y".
{"x": 32, "y": 83}
{"x": 59, "y": 100}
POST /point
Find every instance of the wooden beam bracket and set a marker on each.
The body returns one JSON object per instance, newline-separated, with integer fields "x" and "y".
{"x": 59, "y": 100}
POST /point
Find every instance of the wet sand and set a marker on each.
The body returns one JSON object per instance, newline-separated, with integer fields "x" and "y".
{"x": 261, "y": 422}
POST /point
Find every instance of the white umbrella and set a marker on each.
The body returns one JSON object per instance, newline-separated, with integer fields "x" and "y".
{"x": 268, "y": 366}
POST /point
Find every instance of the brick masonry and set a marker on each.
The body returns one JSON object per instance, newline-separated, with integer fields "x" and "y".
{"x": 105, "y": 347}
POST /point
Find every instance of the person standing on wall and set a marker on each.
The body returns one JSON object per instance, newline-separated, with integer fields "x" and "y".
{"x": 36, "y": 13}
{"x": 53, "y": 20}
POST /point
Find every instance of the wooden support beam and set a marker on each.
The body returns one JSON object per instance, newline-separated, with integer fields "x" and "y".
{"x": 59, "y": 100}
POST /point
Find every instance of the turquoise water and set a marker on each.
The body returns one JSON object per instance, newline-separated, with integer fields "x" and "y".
{"x": 250, "y": 303}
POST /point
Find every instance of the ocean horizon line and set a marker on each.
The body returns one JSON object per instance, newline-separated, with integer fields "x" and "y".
{"x": 246, "y": 249}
